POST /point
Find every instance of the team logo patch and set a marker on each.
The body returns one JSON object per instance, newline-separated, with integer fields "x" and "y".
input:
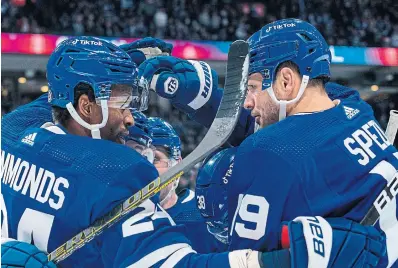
{"x": 171, "y": 85}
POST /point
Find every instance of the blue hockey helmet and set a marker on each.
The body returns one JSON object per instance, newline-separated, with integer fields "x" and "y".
{"x": 211, "y": 192}
{"x": 138, "y": 137}
{"x": 288, "y": 40}
{"x": 164, "y": 135}
{"x": 138, "y": 132}
{"x": 97, "y": 63}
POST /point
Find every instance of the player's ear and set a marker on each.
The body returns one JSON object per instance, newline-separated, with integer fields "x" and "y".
{"x": 286, "y": 82}
{"x": 85, "y": 106}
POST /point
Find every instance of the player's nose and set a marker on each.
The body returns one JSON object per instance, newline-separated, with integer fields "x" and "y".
{"x": 128, "y": 119}
{"x": 249, "y": 102}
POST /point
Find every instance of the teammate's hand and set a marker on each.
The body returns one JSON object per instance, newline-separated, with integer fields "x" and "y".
{"x": 21, "y": 254}
{"x": 147, "y": 48}
{"x": 334, "y": 242}
{"x": 188, "y": 84}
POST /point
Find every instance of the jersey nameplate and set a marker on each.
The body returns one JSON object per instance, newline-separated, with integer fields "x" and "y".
{"x": 364, "y": 141}
{"x": 35, "y": 182}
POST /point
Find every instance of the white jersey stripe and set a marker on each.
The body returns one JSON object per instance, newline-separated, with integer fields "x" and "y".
{"x": 158, "y": 255}
{"x": 176, "y": 257}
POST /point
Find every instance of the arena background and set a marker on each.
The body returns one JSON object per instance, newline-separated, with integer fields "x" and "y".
{"x": 363, "y": 35}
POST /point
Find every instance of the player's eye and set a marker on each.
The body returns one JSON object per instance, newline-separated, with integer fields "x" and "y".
{"x": 251, "y": 88}
{"x": 122, "y": 102}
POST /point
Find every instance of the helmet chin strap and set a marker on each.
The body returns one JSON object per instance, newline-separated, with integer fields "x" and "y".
{"x": 95, "y": 129}
{"x": 283, "y": 103}
{"x": 172, "y": 189}
{"x": 256, "y": 127}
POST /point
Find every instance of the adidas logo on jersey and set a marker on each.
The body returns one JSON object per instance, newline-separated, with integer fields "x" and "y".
{"x": 350, "y": 112}
{"x": 29, "y": 139}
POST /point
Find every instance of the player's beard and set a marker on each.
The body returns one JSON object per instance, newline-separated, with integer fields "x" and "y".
{"x": 272, "y": 114}
{"x": 114, "y": 130}
{"x": 269, "y": 111}
{"x": 113, "y": 134}
{"x": 120, "y": 137}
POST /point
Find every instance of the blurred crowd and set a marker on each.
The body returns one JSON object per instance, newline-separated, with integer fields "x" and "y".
{"x": 343, "y": 22}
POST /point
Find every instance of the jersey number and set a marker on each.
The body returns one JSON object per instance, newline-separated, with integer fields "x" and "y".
{"x": 131, "y": 227}
{"x": 252, "y": 209}
{"x": 33, "y": 224}
{"x": 201, "y": 202}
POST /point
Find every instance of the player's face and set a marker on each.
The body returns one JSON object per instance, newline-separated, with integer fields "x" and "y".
{"x": 162, "y": 162}
{"x": 146, "y": 151}
{"x": 119, "y": 119}
{"x": 263, "y": 109}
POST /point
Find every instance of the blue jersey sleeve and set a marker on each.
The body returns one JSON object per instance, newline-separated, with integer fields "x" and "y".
{"x": 150, "y": 238}
{"x": 269, "y": 194}
{"x": 128, "y": 182}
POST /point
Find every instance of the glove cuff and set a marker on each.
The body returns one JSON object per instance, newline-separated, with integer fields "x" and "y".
{"x": 310, "y": 237}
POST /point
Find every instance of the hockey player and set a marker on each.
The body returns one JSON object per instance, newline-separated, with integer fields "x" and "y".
{"x": 155, "y": 139}
{"x": 167, "y": 154}
{"x": 315, "y": 161}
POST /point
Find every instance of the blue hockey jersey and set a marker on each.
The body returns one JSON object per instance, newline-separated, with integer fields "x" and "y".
{"x": 55, "y": 184}
{"x": 331, "y": 163}
{"x": 186, "y": 213}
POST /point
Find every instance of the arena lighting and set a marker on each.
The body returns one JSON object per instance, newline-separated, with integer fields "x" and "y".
{"x": 389, "y": 77}
{"x": 29, "y": 73}
{"x": 4, "y": 92}
{"x": 374, "y": 87}
{"x": 22, "y": 80}
{"x": 44, "y": 88}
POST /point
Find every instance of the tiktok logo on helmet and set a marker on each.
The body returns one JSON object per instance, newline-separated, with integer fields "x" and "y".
{"x": 280, "y": 26}
{"x": 86, "y": 42}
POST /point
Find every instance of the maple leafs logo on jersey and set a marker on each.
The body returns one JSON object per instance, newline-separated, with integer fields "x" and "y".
{"x": 350, "y": 112}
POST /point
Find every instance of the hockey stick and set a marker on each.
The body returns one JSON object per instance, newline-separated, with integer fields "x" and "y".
{"x": 390, "y": 191}
{"x": 222, "y": 127}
